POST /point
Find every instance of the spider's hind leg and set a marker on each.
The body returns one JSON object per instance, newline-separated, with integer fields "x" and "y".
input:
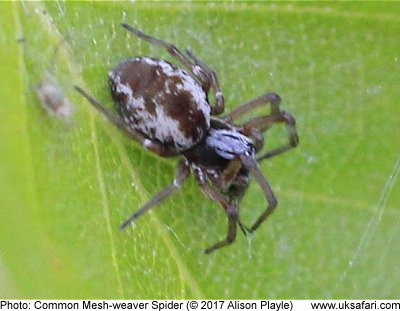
{"x": 209, "y": 79}
{"x": 205, "y": 75}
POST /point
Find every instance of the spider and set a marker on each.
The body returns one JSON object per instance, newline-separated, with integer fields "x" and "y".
{"x": 167, "y": 110}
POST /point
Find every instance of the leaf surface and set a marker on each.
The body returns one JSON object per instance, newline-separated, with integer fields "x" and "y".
{"x": 67, "y": 185}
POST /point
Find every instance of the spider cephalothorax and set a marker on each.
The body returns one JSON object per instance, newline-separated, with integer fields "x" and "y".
{"x": 166, "y": 109}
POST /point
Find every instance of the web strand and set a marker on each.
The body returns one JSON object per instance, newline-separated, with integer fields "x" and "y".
{"x": 374, "y": 222}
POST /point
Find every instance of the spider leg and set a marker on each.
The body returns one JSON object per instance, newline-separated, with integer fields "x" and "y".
{"x": 119, "y": 123}
{"x": 265, "y": 122}
{"x": 204, "y": 74}
{"x": 232, "y": 213}
{"x": 251, "y": 164}
{"x": 182, "y": 173}
{"x": 261, "y": 124}
{"x": 270, "y": 98}
{"x": 210, "y": 81}
{"x": 227, "y": 177}
{"x": 230, "y": 172}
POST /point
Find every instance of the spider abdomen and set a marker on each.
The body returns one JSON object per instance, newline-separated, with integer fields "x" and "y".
{"x": 161, "y": 101}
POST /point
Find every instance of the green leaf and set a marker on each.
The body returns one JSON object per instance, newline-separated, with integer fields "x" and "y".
{"x": 67, "y": 185}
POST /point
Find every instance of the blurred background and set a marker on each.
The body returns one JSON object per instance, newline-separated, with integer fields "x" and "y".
{"x": 66, "y": 184}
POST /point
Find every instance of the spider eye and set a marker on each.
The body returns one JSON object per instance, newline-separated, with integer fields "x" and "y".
{"x": 229, "y": 144}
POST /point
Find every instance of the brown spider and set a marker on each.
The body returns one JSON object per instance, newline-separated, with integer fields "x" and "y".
{"x": 167, "y": 110}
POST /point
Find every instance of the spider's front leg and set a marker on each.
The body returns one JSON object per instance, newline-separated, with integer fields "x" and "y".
{"x": 270, "y": 98}
{"x": 231, "y": 211}
{"x": 251, "y": 164}
{"x": 263, "y": 123}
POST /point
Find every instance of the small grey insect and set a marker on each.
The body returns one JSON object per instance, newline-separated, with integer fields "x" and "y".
{"x": 51, "y": 95}
{"x": 53, "y": 99}
{"x": 167, "y": 110}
